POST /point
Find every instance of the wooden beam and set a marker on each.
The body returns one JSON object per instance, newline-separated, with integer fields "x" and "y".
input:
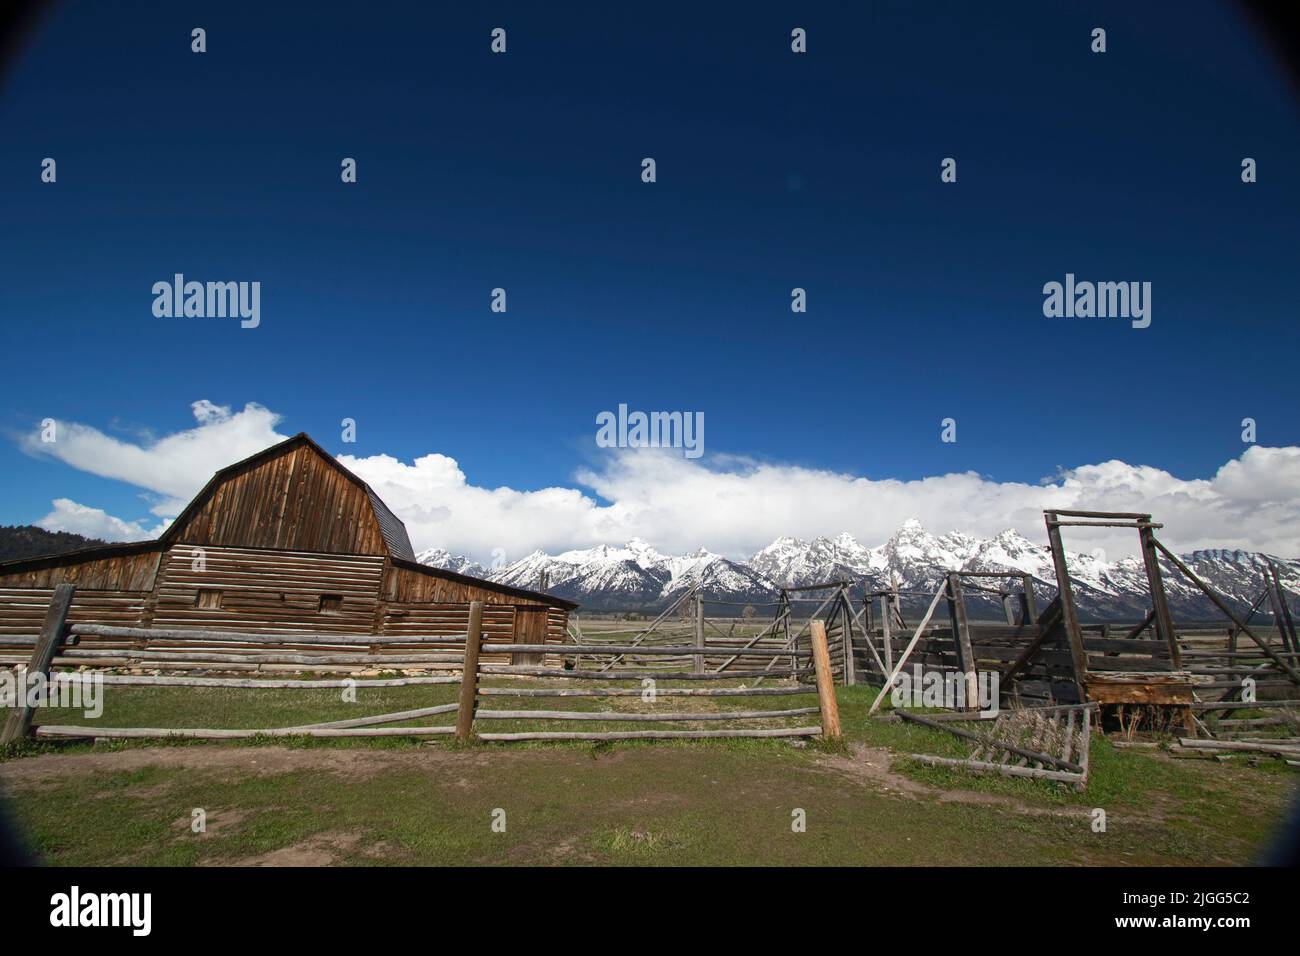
{"x": 1069, "y": 615}
{"x": 846, "y": 613}
{"x": 1159, "y": 602}
{"x": 1009, "y": 769}
{"x": 469, "y": 675}
{"x": 699, "y": 632}
{"x": 961, "y": 635}
{"x": 988, "y": 741}
{"x": 653, "y": 734}
{"x": 1206, "y": 590}
{"x": 907, "y": 651}
{"x": 1047, "y": 625}
{"x": 19, "y": 724}
{"x": 887, "y": 631}
{"x": 1281, "y": 611}
{"x": 209, "y": 733}
{"x": 690, "y": 592}
{"x": 1028, "y": 602}
{"x": 825, "y": 682}
{"x": 627, "y": 716}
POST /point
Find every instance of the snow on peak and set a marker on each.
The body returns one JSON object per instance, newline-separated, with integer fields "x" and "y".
{"x": 636, "y": 576}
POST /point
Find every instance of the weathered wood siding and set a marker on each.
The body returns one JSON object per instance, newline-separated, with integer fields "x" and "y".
{"x": 403, "y": 585}
{"x": 418, "y": 603}
{"x": 296, "y": 501}
{"x": 133, "y": 572}
{"x": 268, "y": 591}
{"x": 23, "y": 609}
{"x": 109, "y": 591}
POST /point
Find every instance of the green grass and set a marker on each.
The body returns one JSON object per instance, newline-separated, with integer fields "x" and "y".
{"x": 401, "y": 801}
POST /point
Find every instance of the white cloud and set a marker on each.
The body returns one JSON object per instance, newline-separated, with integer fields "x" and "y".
{"x": 174, "y": 467}
{"x": 735, "y": 506}
{"x": 95, "y": 523}
{"x": 730, "y": 505}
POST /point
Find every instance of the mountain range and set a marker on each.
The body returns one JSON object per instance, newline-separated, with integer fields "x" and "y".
{"x": 637, "y": 577}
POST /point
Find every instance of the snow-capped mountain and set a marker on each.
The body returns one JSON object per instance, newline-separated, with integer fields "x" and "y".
{"x": 438, "y": 558}
{"x": 636, "y": 576}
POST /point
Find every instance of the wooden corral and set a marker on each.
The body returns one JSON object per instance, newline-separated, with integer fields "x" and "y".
{"x": 58, "y": 637}
{"x": 285, "y": 542}
{"x": 1153, "y": 673}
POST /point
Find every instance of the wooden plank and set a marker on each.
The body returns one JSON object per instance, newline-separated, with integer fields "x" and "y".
{"x": 470, "y": 674}
{"x": 393, "y": 718}
{"x": 1208, "y": 592}
{"x": 1159, "y": 601}
{"x": 630, "y": 650}
{"x": 248, "y": 683}
{"x": 993, "y": 742}
{"x": 801, "y": 690}
{"x": 1008, "y": 769}
{"x": 1065, "y": 594}
{"x": 846, "y": 613}
{"x": 1277, "y": 604}
{"x": 211, "y": 733}
{"x": 907, "y": 652}
{"x": 653, "y": 734}
{"x": 1287, "y": 622}
{"x": 1028, "y": 603}
{"x": 631, "y": 674}
{"x": 699, "y": 632}
{"x": 19, "y": 724}
{"x": 1155, "y": 690}
{"x": 961, "y": 632}
{"x": 219, "y": 637}
{"x": 886, "y": 631}
{"x": 626, "y": 716}
{"x": 1049, "y": 625}
{"x": 825, "y": 682}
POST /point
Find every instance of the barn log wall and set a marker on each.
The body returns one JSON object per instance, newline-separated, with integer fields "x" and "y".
{"x": 23, "y": 609}
{"x": 420, "y": 603}
{"x": 267, "y": 591}
{"x": 109, "y": 590}
{"x": 286, "y": 543}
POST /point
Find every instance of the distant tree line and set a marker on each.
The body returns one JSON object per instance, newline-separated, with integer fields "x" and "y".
{"x": 29, "y": 541}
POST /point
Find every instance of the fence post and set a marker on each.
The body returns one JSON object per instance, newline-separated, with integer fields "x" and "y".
{"x": 469, "y": 674}
{"x": 19, "y": 724}
{"x": 825, "y": 681}
{"x": 846, "y": 615}
{"x": 887, "y": 631}
{"x": 961, "y": 637}
{"x": 699, "y": 632}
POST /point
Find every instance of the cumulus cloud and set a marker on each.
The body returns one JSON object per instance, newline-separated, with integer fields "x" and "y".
{"x": 731, "y": 505}
{"x": 735, "y": 506}
{"x": 173, "y": 468}
{"x": 95, "y": 523}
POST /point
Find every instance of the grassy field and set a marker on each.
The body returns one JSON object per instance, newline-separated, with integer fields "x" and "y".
{"x": 399, "y": 801}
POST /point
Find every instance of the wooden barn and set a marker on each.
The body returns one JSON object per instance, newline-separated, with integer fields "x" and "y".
{"x": 288, "y": 542}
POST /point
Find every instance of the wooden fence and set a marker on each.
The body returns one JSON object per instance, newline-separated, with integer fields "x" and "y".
{"x": 473, "y": 654}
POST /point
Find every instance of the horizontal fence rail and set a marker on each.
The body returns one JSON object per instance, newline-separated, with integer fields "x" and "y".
{"x": 595, "y": 667}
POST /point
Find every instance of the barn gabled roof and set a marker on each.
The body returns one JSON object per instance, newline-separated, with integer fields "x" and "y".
{"x": 390, "y": 526}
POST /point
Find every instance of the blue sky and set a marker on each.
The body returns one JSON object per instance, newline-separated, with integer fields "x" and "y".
{"x": 774, "y": 170}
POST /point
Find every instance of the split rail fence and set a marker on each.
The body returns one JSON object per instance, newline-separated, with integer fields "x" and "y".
{"x": 791, "y": 672}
